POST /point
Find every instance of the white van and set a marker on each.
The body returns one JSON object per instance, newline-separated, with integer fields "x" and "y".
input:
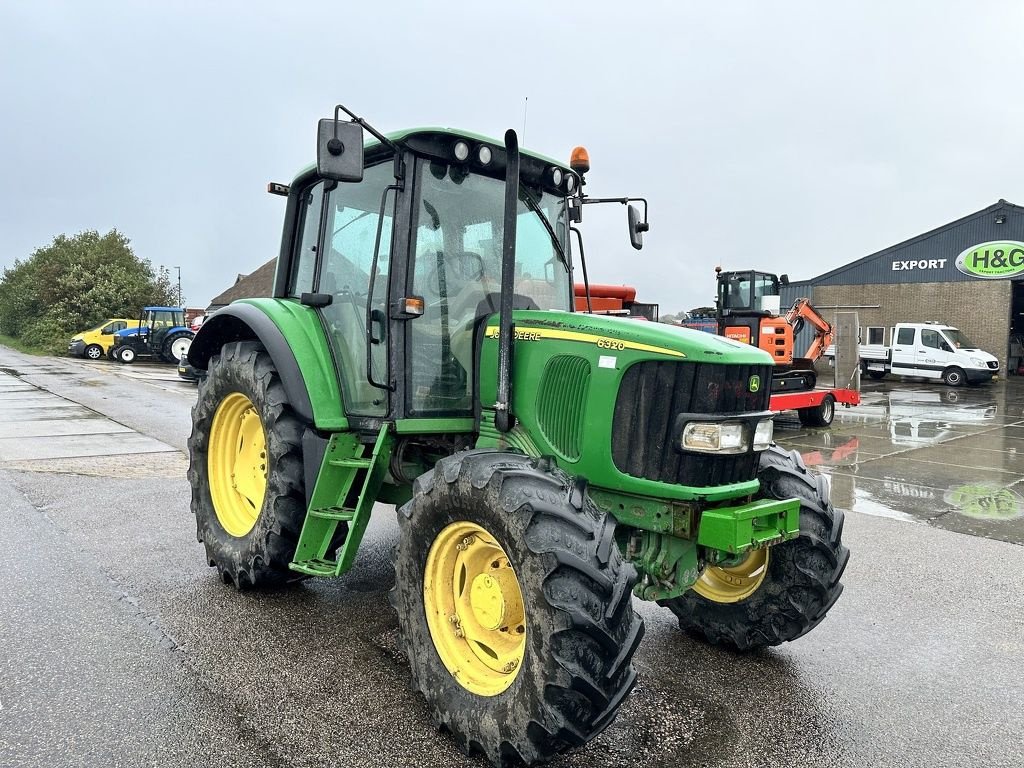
{"x": 929, "y": 351}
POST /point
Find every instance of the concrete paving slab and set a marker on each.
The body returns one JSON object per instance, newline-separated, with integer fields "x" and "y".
{"x": 904, "y": 469}
{"x": 59, "y": 427}
{"x": 67, "y": 446}
{"x": 954, "y": 458}
{"x": 62, "y": 409}
{"x": 26, "y": 395}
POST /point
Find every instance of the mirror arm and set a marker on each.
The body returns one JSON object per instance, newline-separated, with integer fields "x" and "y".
{"x": 583, "y": 266}
{"x": 622, "y": 200}
{"x": 366, "y": 126}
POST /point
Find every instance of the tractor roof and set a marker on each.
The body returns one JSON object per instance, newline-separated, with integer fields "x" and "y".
{"x": 371, "y": 146}
{"x": 162, "y": 309}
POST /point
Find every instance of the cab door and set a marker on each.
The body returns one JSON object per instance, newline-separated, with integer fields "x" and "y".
{"x": 931, "y": 358}
{"x": 904, "y": 352}
{"x": 338, "y": 228}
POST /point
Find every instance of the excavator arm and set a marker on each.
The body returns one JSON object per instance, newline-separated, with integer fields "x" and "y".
{"x": 803, "y": 310}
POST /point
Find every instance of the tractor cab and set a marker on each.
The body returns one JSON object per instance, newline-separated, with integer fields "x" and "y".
{"x": 160, "y": 333}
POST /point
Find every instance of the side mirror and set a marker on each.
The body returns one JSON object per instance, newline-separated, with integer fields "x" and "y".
{"x": 339, "y": 150}
{"x": 946, "y": 347}
{"x": 783, "y": 279}
{"x": 636, "y": 227}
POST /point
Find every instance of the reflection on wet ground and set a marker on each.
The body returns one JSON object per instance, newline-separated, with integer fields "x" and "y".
{"x": 953, "y": 458}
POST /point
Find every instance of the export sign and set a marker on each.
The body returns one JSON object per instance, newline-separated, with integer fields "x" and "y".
{"x": 993, "y": 260}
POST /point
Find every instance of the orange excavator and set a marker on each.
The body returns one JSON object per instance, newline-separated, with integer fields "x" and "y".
{"x": 749, "y": 311}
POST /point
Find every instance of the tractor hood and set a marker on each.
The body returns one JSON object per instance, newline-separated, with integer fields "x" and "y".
{"x": 617, "y": 333}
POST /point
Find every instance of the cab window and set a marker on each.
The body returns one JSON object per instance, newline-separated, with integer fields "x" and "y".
{"x": 906, "y": 336}
{"x": 304, "y": 261}
{"x": 931, "y": 338}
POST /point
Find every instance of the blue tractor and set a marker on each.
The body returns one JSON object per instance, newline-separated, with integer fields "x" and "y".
{"x": 161, "y": 334}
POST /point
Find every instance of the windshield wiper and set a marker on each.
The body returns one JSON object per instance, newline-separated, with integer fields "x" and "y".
{"x": 532, "y": 205}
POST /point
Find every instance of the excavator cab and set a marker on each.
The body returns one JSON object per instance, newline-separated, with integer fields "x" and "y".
{"x": 742, "y": 292}
{"x": 749, "y": 311}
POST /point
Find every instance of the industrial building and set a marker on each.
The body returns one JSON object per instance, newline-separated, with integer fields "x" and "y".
{"x": 968, "y": 273}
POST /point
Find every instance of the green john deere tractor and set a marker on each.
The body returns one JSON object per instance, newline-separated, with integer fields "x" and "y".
{"x": 421, "y": 350}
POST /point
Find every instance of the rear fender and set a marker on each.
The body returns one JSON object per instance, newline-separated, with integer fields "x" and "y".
{"x": 294, "y": 339}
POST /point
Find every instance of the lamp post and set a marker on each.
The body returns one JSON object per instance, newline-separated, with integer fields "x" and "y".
{"x": 179, "y": 285}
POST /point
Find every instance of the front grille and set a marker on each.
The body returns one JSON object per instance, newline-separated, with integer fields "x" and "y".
{"x": 650, "y": 397}
{"x": 993, "y": 364}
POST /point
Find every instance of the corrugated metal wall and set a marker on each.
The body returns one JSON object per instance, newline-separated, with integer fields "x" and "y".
{"x": 787, "y": 295}
{"x": 942, "y": 245}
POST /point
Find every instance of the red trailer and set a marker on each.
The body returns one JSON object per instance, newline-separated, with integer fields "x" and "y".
{"x": 815, "y": 407}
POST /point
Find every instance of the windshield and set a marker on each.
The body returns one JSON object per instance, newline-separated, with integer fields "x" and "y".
{"x": 457, "y": 270}
{"x": 741, "y": 290}
{"x": 461, "y": 218}
{"x": 958, "y": 339}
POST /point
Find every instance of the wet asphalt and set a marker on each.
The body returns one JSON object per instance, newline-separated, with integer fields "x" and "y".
{"x": 119, "y": 646}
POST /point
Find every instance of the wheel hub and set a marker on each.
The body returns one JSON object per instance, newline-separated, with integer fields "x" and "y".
{"x": 237, "y": 464}
{"x": 474, "y": 608}
{"x": 730, "y": 584}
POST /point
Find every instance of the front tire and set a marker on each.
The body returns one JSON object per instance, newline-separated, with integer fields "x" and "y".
{"x": 954, "y": 377}
{"x": 781, "y": 593}
{"x": 549, "y": 561}
{"x": 245, "y": 468}
{"x": 125, "y": 355}
{"x": 94, "y": 352}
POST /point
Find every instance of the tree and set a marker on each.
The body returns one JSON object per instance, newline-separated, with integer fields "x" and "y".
{"x": 75, "y": 283}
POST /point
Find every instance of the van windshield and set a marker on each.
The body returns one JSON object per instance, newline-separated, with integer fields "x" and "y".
{"x": 958, "y": 340}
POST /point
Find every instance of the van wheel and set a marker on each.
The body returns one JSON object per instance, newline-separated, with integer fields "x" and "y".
{"x": 877, "y": 375}
{"x": 954, "y": 377}
{"x": 94, "y": 351}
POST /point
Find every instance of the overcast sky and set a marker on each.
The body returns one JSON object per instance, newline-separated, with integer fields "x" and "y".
{"x": 787, "y": 137}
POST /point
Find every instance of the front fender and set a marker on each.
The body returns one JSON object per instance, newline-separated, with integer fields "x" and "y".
{"x": 294, "y": 339}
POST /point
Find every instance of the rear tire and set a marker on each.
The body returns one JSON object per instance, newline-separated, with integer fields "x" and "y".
{"x": 820, "y": 415}
{"x": 800, "y": 582}
{"x": 260, "y": 556}
{"x": 954, "y": 377}
{"x": 575, "y": 596}
{"x": 175, "y": 347}
{"x": 877, "y": 375}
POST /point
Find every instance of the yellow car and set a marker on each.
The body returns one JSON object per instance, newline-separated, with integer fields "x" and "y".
{"x": 96, "y": 342}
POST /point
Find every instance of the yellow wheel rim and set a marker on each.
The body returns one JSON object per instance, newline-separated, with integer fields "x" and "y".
{"x": 237, "y": 464}
{"x": 474, "y": 608}
{"x": 730, "y": 585}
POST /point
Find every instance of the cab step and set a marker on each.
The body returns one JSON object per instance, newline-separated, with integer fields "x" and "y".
{"x": 347, "y": 470}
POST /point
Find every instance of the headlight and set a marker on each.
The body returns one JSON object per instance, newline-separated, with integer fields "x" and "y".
{"x": 979, "y": 362}
{"x": 714, "y": 438}
{"x": 763, "y": 434}
{"x": 483, "y": 154}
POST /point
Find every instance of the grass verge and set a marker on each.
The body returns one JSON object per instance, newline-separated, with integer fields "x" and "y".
{"x": 18, "y": 344}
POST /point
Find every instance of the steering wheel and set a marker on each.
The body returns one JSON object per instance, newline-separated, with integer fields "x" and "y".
{"x": 460, "y": 268}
